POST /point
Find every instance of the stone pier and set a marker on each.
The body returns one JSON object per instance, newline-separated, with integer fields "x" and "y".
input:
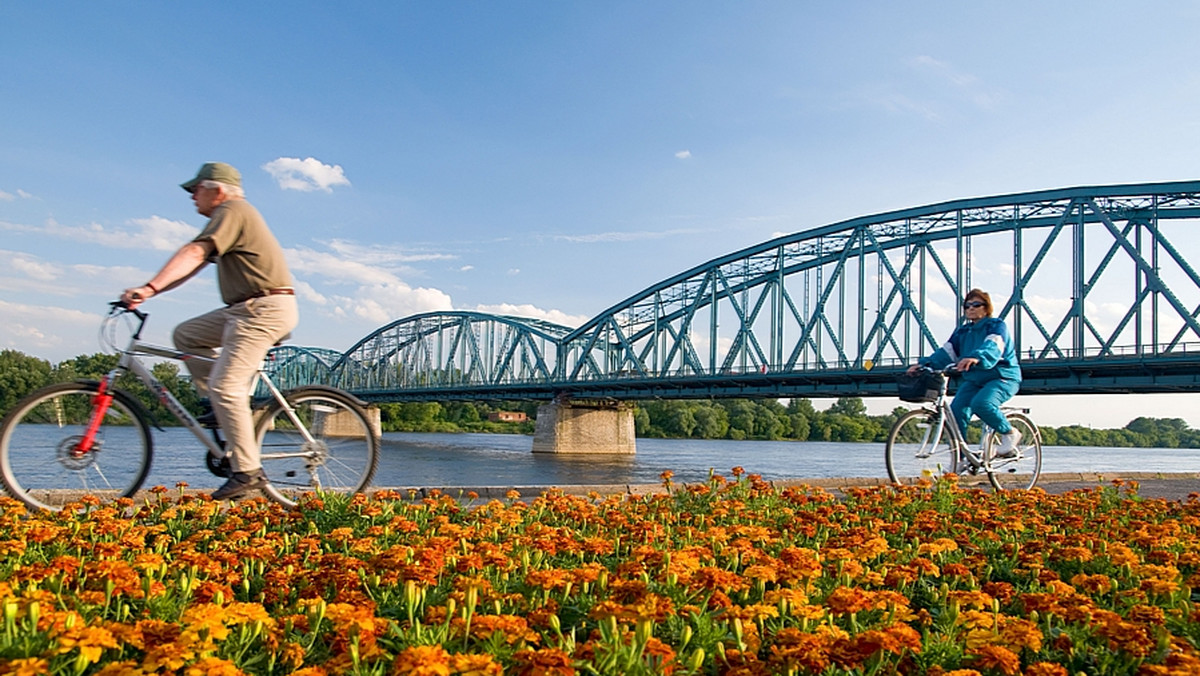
{"x": 345, "y": 424}
{"x": 573, "y": 427}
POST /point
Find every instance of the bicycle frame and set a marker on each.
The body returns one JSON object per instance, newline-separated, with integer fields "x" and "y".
{"x": 130, "y": 363}
{"x": 974, "y": 457}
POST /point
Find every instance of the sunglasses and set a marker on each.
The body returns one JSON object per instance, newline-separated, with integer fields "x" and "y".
{"x": 972, "y": 304}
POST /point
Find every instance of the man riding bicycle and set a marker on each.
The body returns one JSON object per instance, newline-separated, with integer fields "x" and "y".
{"x": 260, "y": 310}
{"x": 982, "y": 349}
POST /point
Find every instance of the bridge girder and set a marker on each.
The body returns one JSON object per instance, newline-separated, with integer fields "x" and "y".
{"x": 1095, "y": 283}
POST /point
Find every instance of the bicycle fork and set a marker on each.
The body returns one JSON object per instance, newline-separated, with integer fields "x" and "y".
{"x": 100, "y": 405}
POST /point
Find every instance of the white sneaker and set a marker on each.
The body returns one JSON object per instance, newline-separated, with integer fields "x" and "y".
{"x": 1008, "y": 444}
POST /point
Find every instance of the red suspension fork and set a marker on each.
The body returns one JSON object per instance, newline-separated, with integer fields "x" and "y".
{"x": 100, "y": 404}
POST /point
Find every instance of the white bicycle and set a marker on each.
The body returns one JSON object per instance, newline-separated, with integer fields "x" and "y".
{"x": 927, "y": 442}
{"x": 90, "y": 438}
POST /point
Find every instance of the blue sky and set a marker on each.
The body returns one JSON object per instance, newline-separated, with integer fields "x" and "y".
{"x": 546, "y": 158}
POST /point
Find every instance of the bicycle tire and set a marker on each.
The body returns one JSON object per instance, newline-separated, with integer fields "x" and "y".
{"x": 1022, "y": 471}
{"x": 342, "y": 457}
{"x": 919, "y": 446}
{"x": 37, "y": 437}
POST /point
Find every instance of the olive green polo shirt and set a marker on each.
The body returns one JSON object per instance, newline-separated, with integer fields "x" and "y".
{"x": 249, "y": 258}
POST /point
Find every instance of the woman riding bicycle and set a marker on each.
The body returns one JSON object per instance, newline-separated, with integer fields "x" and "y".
{"x": 982, "y": 349}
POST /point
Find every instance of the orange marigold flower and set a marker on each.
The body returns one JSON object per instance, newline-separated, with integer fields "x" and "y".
{"x": 1046, "y": 669}
{"x": 847, "y": 600}
{"x": 996, "y": 658}
{"x": 544, "y": 662}
{"x": 422, "y": 660}
{"x": 795, "y": 649}
{"x": 125, "y": 668}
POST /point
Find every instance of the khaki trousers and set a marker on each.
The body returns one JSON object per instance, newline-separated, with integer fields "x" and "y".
{"x": 244, "y": 332}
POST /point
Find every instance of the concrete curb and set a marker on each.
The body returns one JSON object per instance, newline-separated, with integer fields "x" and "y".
{"x": 1058, "y": 482}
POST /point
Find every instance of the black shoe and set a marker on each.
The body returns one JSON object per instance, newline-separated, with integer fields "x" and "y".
{"x": 240, "y": 484}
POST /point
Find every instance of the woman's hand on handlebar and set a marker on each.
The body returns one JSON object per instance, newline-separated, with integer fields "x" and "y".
{"x": 966, "y": 363}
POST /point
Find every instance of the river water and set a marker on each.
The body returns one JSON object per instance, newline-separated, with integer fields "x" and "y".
{"x": 414, "y": 460}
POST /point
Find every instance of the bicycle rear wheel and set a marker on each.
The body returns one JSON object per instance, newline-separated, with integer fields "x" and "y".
{"x": 40, "y": 461}
{"x": 340, "y": 457}
{"x": 1023, "y": 469}
{"x": 919, "y": 446}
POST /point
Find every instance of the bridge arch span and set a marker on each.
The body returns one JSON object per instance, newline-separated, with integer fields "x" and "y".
{"x": 451, "y": 350}
{"x": 1081, "y": 274}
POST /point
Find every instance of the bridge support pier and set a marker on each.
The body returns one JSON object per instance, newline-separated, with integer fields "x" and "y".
{"x": 568, "y": 427}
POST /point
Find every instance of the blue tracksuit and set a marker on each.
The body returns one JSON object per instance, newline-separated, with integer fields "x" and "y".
{"x": 988, "y": 384}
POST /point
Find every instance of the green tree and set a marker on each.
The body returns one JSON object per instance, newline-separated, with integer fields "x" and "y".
{"x": 849, "y": 406}
{"x": 712, "y": 421}
{"x": 20, "y": 374}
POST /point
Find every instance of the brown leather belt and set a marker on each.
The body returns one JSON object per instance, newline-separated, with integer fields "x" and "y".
{"x": 284, "y": 291}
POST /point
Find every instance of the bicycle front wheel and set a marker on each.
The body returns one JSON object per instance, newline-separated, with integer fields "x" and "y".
{"x": 920, "y": 446}
{"x": 41, "y": 461}
{"x": 1023, "y": 468}
{"x": 324, "y": 443}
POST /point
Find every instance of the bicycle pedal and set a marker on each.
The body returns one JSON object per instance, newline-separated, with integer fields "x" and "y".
{"x": 218, "y": 466}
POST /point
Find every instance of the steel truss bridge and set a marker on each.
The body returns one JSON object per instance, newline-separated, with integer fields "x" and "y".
{"x": 1096, "y": 284}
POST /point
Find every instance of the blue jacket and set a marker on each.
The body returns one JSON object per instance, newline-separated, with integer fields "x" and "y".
{"x": 987, "y": 340}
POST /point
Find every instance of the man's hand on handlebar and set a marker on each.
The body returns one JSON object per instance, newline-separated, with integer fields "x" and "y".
{"x": 134, "y": 297}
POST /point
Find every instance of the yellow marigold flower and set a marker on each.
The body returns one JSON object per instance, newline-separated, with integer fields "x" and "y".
{"x": 937, "y": 546}
{"x": 213, "y": 666}
{"x": 465, "y": 664}
{"x": 975, "y": 619}
{"x": 971, "y": 599}
{"x": 126, "y": 668}
{"x": 1046, "y": 669}
{"x": 422, "y": 660}
{"x": 28, "y": 666}
{"x": 1018, "y": 633}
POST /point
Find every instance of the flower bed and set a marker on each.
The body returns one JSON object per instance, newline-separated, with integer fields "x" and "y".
{"x": 726, "y": 577}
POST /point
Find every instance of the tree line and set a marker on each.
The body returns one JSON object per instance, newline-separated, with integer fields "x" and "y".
{"x": 737, "y": 419}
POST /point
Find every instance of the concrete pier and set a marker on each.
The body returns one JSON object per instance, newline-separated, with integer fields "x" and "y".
{"x": 572, "y": 427}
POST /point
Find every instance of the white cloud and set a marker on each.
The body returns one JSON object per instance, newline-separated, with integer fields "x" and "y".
{"x": 52, "y": 333}
{"x": 305, "y": 175}
{"x": 527, "y": 310}
{"x": 466, "y": 268}
{"x": 6, "y": 196}
{"x": 383, "y": 303}
{"x": 379, "y": 296}
{"x": 33, "y": 269}
{"x": 382, "y": 254}
{"x": 513, "y": 272}
{"x": 155, "y": 232}
{"x": 684, "y": 154}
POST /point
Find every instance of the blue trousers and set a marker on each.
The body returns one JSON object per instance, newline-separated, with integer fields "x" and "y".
{"x": 983, "y": 400}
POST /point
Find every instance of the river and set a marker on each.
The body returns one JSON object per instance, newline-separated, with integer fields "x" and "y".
{"x": 438, "y": 460}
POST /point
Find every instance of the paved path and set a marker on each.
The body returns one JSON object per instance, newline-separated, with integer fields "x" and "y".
{"x": 1169, "y": 486}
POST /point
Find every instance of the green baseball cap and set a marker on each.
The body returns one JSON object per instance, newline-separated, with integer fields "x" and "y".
{"x": 214, "y": 171}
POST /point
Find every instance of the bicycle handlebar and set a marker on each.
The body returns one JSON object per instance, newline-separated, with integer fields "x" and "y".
{"x": 119, "y": 307}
